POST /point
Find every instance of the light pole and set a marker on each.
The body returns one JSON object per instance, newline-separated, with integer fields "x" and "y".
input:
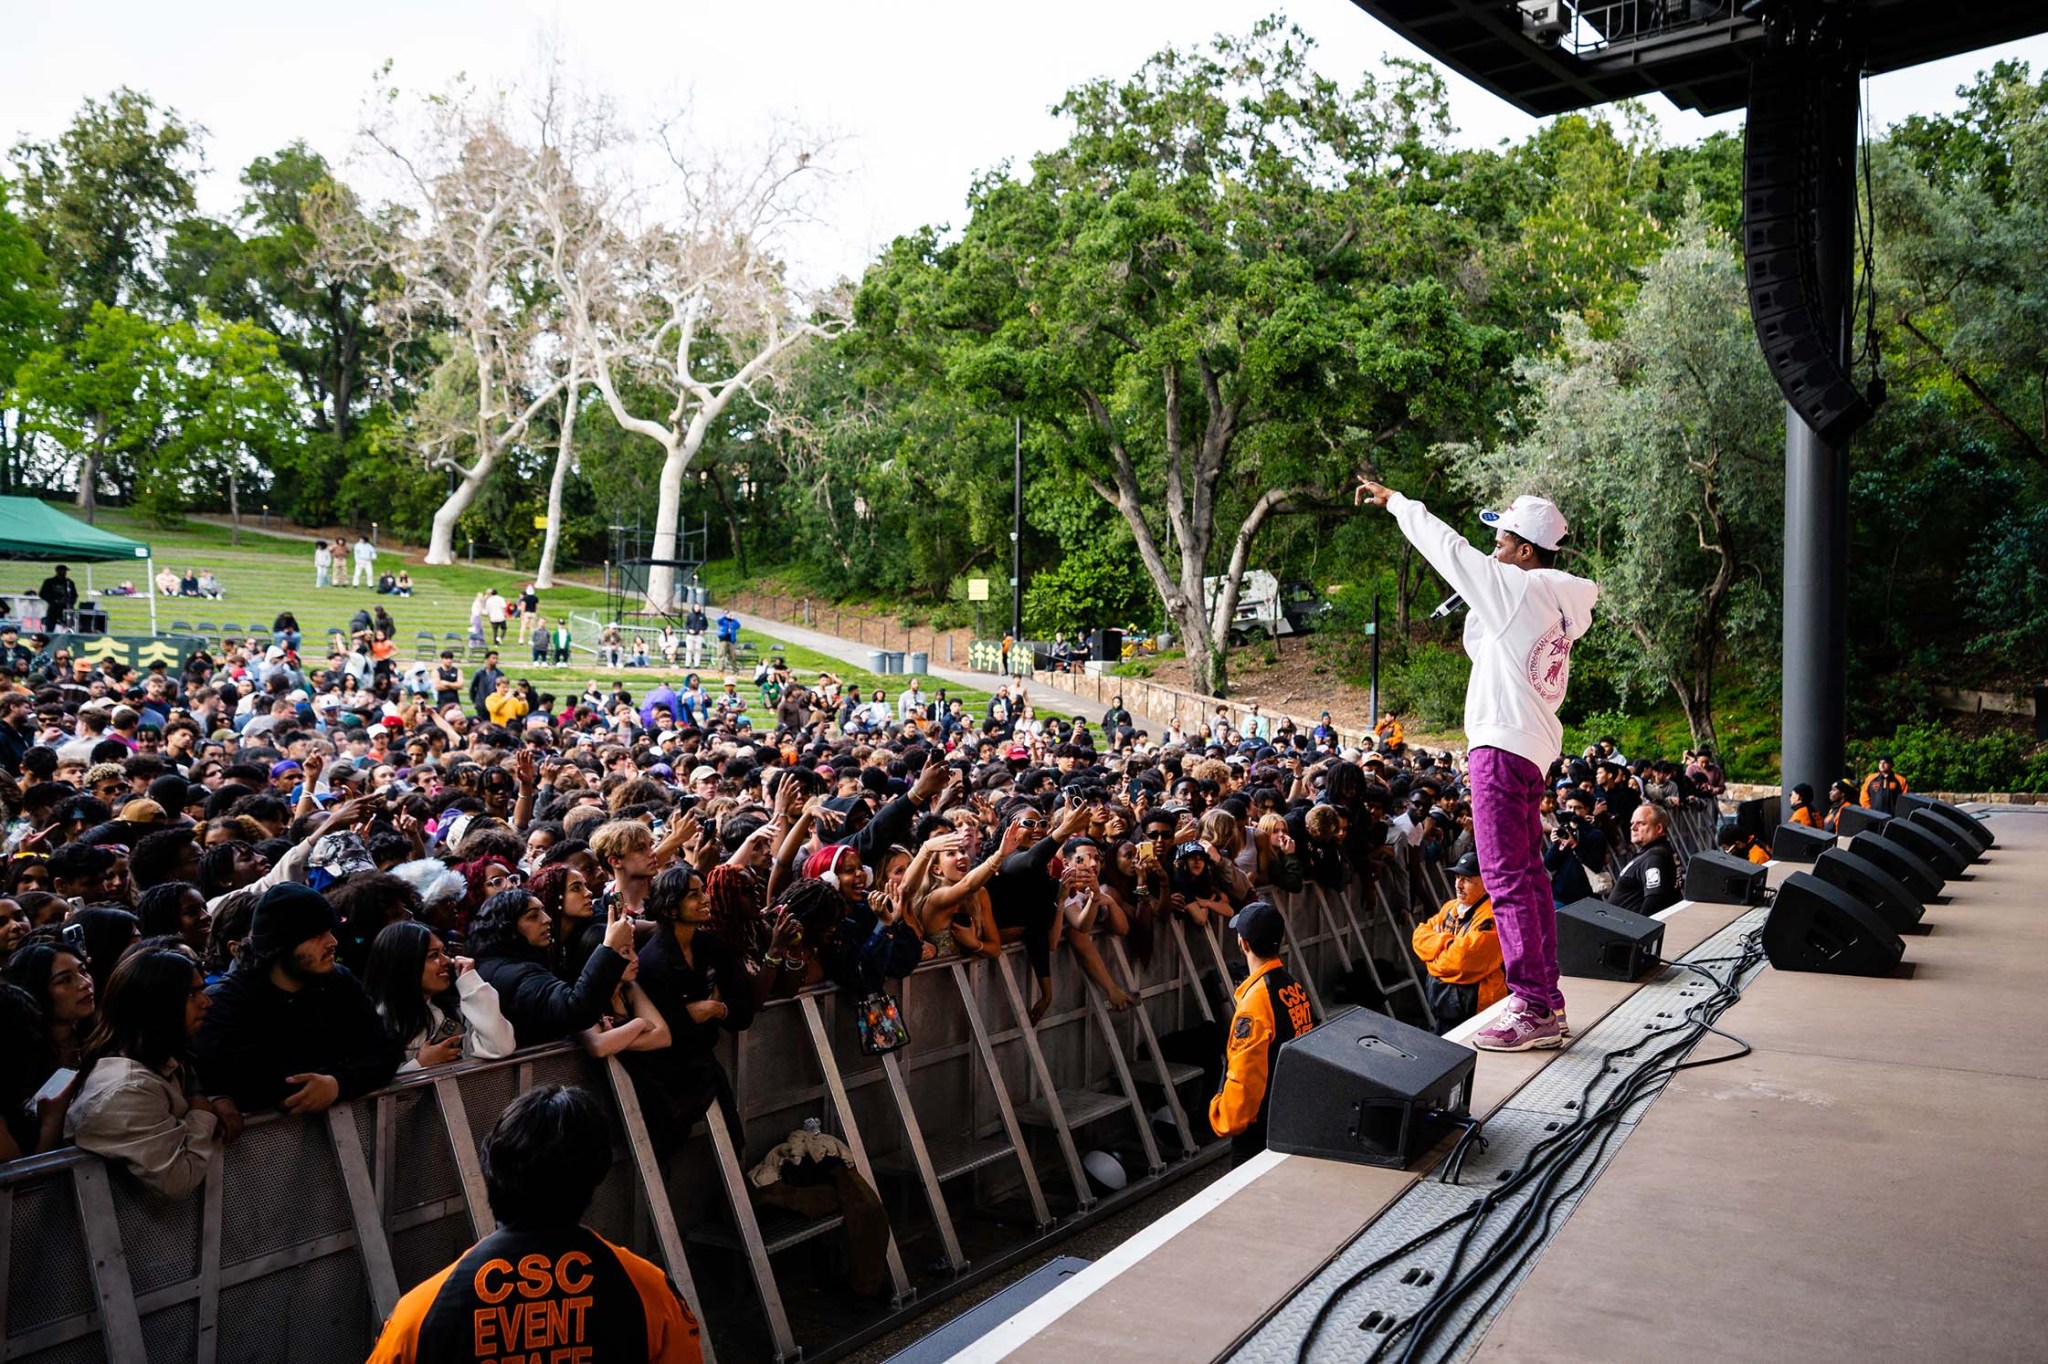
{"x": 1017, "y": 533}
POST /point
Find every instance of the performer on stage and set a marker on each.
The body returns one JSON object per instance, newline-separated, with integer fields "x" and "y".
{"x": 1522, "y": 616}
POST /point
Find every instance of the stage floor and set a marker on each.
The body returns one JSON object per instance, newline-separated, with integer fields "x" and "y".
{"x": 1859, "y": 1187}
{"x": 1869, "y": 1184}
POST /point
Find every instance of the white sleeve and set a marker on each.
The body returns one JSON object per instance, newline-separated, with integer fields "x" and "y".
{"x": 486, "y": 1035}
{"x": 1491, "y": 589}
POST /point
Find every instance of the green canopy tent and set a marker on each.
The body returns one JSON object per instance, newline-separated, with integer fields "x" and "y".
{"x": 34, "y": 530}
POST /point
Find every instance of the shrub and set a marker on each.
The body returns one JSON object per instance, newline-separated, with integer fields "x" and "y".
{"x": 1430, "y": 685}
{"x": 1935, "y": 757}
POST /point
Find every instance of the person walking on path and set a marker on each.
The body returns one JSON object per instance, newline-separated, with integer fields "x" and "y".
{"x": 1522, "y": 616}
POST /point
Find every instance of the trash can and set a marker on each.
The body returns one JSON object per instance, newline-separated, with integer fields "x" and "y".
{"x": 895, "y": 659}
{"x": 878, "y": 662}
{"x": 921, "y": 664}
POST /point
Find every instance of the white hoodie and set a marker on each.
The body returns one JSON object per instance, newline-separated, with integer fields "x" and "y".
{"x": 1519, "y": 629}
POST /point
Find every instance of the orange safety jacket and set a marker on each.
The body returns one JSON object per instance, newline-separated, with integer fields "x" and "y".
{"x": 524, "y": 1294}
{"x": 1804, "y": 815}
{"x": 1272, "y": 1007}
{"x": 1389, "y": 731}
{"x": 1467, "y": 954}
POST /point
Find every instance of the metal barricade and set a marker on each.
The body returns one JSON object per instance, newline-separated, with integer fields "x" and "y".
{"x": 308, "y": 1230}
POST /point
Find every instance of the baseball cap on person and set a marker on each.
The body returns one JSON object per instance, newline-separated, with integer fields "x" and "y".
{"x": 1261, "y": 926}
{"x": 1535, "y": 519}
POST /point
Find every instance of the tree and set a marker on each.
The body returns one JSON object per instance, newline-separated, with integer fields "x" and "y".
{"x": 696, "y": 313}
{"x": 1662, "y": 447}
{"x": 104, "y": 399}
{"x": 98, "y": 200}
{"x": 1961, "y": 205}
{"x": 28, "y": 317}
{"x": 236, "y": 417}
{"x": 469, "y": 276}
{"x": 1223, "y": 292}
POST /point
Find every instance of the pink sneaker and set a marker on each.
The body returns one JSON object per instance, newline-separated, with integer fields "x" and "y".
{"x": 1521, "y": 1028}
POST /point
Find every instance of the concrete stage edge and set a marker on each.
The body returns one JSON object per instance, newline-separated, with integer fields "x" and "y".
{"x": 1857, "y": 1188}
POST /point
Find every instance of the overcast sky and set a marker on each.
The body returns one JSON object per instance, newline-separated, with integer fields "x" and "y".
{"x": 924, "y": 94}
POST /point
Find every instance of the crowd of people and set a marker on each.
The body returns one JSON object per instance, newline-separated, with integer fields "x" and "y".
{"x": 263, "y": 884}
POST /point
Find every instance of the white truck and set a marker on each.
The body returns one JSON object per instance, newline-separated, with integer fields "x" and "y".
{"x": 1267, "y": 606}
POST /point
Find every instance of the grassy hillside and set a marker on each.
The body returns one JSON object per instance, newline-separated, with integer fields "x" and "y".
{"x": 266, "y": 574}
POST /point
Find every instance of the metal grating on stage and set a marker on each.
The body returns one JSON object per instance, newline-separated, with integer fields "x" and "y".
{"x": 1363, "y": 1317}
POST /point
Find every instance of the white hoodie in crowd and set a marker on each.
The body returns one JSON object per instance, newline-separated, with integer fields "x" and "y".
{"x": 1519, "y": 629}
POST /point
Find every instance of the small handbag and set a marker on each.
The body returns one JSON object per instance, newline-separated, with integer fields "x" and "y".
{"x": 881, "y": 1025}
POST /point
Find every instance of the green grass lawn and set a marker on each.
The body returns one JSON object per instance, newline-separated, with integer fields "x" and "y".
{"x": 266, "y": 574}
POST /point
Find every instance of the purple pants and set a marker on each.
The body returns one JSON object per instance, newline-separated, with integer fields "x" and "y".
{"x": 1507, "y": 824}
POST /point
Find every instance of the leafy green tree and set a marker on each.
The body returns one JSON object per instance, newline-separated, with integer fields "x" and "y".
{"x": 29, "y": 312}
{"x": 236, "y": 417}
{"x": 1222, "y": 294}
{"x": 100, "y": 197}
{"x": 1662, "y": 446}
{"x": 1961, "y": 204}
{"x": 102, "y": 401}
{"x": 98, "y": 200}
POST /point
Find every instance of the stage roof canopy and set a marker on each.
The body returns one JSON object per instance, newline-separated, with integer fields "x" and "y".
{"x": 1696, "y": 52}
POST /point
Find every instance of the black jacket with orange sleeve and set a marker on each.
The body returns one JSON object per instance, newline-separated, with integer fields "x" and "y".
{"x": 542, "y": 1293}
{"x": 1272, "y": 1007}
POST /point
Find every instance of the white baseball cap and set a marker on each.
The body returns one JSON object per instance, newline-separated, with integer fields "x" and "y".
{"x": 1535, "y": 519}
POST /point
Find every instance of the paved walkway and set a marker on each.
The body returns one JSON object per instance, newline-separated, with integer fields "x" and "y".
{"x": 850, "y": 651}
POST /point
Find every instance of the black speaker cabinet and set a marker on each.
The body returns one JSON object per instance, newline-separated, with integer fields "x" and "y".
{"x": 1949, "y": 830}
{"x": 1873, "y": 885}
{"x": 1917, "y": 838}
{"x": 1854, "y": 820}
{"x": 1815, "y": 926}
{"x": 1368, "y": 1089}
{"x": 1716, "y": 878}
{"x": 1596, "y": 939}
{"x": 1913, "y": 871}
{"x": 1910, "y": 802}
{"x": 1106, "y": 646}
{"x": 1798, "y": 843}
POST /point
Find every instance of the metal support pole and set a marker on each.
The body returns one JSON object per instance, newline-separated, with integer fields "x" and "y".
{"x": 1373, "y": 697}
{"x": 1017, "y": 535}
{"x": 1817, "y": 487}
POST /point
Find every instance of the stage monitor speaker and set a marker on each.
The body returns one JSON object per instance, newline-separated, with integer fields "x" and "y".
{"x": 1961, "y": 839}
{"x": 1758, "y": 816}
{"x": 1106, "y": 646}
{"x": 1799, "y": 843}
{"x": 1913, "y": 871}
{"x": 1976, "y": 827}
{"x": 1873, "y": 885}
{"x": 1815, "y": 926}
{"x": 1596, "y": 939}
{"x": 1854, "y": 819}
{"x": 1368, "y": 1089}
{"x": 1717, "y": 878}
{"x": 1919, "y": 839}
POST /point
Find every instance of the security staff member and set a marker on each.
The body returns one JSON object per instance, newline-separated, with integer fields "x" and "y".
{"x": 1272, "y": 1007}
{"x": 543, "y": 1286}
{"x": 1649, "y": 883}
